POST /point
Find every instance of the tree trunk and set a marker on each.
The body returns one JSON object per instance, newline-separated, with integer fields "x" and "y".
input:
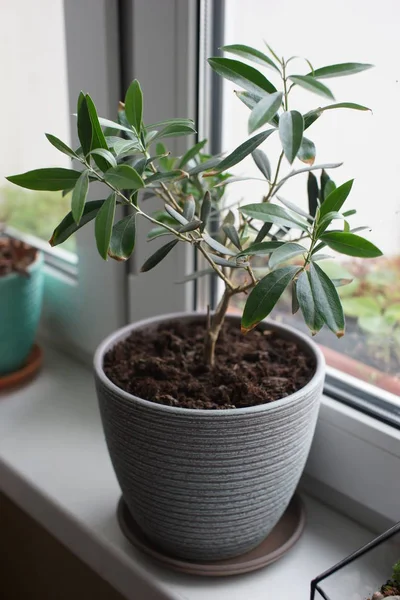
{"x": 214, "y": 327}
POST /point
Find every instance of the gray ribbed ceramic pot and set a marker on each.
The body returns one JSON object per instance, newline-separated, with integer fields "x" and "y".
{"x": 207, "y": 484}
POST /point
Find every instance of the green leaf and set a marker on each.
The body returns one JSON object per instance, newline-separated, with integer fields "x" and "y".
{"x": 265, "y": 295}
{"x": 158, "y": 256}
{"x": 327, "y": 185}
{"x": 79, "y": 195}
{"x": 291, "y": 126}
{"x": 191, "y": 153}
{"x": 271, "y": 213}
{"x": 392, "y": 313}
{"x": 262, "y": 162}
{"x": 263, "y": 232}
{"x": 51, "y": 180}
{"x": 313, "y": 115}
{"x": 98, "y": 139}
{"x": 327, "y": 220}
{"x": 126, "y": 148}
{"x": 312, "y": 85}
{"x": 335, "y": 200}
{"x": 104, "y": 224}
{"x": 307, "y": 151}
{"x": 243, "y": 150}
{"x": 215, "y": 245}
{"x": 361, "y": 306}
{"x": 205, "y": 166}
{"x": 295, "y": 302}
{"x": 232, "y": 234}
{"x": 349, "y": 213}
{"x": 205, "y": 210}
{"x": 375, "y": 324}
{"x": 134, "y": 105}
{"x": 189, "y": 208}
{"x": 244, "y": 75}
{"x": 285, "y": 252}
{"x": 176, "y": 215}
{"x": 327, "y": 301}
{"x": 350, "y": 244}
{"x": 54, "y": 141}
{"x": 248, "y": 99}
{"x": 313, "y": 194}
{"x": 176, "y": 174}
{"x": 294, "y": 207}
{"x": 113, "y": 125}
{"x": 305, "y": 297}
{"x": 260, "y": 249}
{"x": 84, "y": 125}
{"x": 123, "y": 238}
{"x": 174, "y": 131}
{"x": 124, "y": 177}
{"x": 68, "y": 227}
{"x": 336, "y": 282}
{"x": 191, "y": 226}
{"x": 264, "y": 111}
{"x": 223, "y": 262}
{"x": 106, "y": 154}
{"x": 250, "y": 54}
{"x": 167, "y": 122}
{"x": 339, "y": 70}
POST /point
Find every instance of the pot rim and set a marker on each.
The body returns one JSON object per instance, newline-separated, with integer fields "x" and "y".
{"x": 123, "y": 332}
{"x": 32, "y": 267}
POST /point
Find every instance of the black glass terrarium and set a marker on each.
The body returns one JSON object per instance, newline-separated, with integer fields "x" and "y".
{"x": 363, "y": 573}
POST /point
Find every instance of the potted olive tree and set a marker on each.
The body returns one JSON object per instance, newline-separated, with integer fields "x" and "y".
{"x": 209, "y": 429}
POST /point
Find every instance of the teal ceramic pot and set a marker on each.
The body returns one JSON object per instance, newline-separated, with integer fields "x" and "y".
{"x": 20, "y": 307}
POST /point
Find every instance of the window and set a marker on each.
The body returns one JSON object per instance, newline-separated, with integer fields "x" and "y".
{"x": 369, "y": 354}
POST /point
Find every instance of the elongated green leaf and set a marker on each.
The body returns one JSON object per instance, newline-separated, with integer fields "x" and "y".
{"x": 291, "y": 126}
{"x": 98, "y": 139}
{"x": 327, "y": 301}
{"x": 114, "y": 125}
{"x": 68, "y": 227}
{"x": 126, "y": 148}
{"x": 171, "y": 175}
{"x": 339, "y": 70}
{"x": 84, "y": 125}
{"x": 123, "y": 238}
{"x": 365, "y": 306}
{"x": 215, "y": 245}
{"x": 294, "y": 207}
{"x": 350, "y": 244}
{"x": 191, "y": 226}
{"x": 223, "y": 262}
{"x": 79, "y": 195}
{"x": 104, "y": 224}
{"x": 327, "y": 185}
{"x": 335, "y": 200}
{"x": 158, "y": 256}
{"x": 307, "y": 151}
{"x": 233, "y": 235}
{"x": 167, "y": 122}
{"x": 124, "y": 177}
{"x": 54, "y": 141}
{"x": 262, "y": 162}
{"x": 106, "y": 154}
{"x": 285, "y": 252}
{"x": 174, "y": 131}
{"x": 244, "y": 75}
{"x": 205, "y": 166}
{"x": 313, "y": 115}
{"x": 313, "y": 85}
{"x": 250, "y": 54}
{"x": 263, "y": 232}
{"x": 250, "y": 100}
{"x": 205, "y": 210}
{"x": 243, "y": 150}
{"x": 46, "y": 179}
{"x": 340, "y": 282}
{"x": 191, "y": 153}
{"x": 265, "y": 295}
{"x": 260, "y": 249}
{"x": 176, "y": 215}
{"x": 134, "y": 105}
{"x": 327, "y": 219}
{"x": 349, "y": 213}
{"x": 264, "y": 111}
{"x": 313, "y": 194}
{"x": 271, "y": 213}
{"x": 305, "y": 297}
{"x": 189, "y": 208}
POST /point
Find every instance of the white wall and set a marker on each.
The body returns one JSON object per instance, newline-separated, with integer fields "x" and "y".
{"x": 368, "y": 144}
{"x": 34, "y": 94}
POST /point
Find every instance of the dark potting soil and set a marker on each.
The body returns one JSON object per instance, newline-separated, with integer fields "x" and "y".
{"x": 165, "y": 365}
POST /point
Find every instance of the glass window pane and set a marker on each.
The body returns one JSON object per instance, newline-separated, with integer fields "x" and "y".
{"x": 34, "y": 100}
{"x": 365, "y": 142}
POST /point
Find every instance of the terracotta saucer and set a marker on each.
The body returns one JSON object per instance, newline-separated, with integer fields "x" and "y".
{"x": 30, "y": 368}
{"x": 284, "y": 535}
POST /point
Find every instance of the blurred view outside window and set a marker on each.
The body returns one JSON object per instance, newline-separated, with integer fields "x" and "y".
{"x": 366, "y": 143}
{"x": 34, "y": 100}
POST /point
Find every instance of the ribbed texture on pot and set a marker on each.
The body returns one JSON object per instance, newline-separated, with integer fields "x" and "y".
{"x": 20, "y": 307}
{"x": 207, "y": 485}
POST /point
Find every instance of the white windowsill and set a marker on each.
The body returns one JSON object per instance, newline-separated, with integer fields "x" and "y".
{"x": 54, "y": 464}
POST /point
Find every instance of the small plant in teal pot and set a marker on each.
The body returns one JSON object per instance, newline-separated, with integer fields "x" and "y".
{"x": 21, "y": 290}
